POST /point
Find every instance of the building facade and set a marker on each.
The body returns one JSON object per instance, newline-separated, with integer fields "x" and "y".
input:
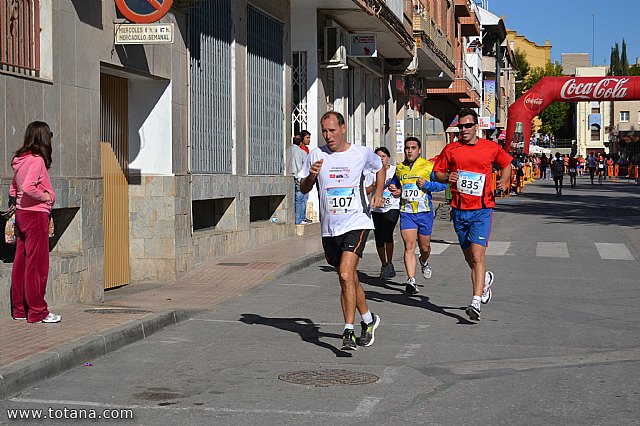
{"x": 164, "y": 155}
{"x": 592, "y": 118}
{"x": 537, "y": 56}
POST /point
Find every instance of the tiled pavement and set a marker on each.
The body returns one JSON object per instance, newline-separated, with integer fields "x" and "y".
{"x": 23, "y": 344}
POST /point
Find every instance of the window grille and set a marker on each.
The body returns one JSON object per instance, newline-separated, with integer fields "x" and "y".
{"x": 265, "y": 90}
{"x": 20, "y": 36}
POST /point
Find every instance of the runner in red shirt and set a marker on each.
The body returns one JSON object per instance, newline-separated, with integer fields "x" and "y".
{"x": 467, "y": 166}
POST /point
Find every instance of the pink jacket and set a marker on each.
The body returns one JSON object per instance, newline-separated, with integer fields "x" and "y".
{"x": 30, "y": 181}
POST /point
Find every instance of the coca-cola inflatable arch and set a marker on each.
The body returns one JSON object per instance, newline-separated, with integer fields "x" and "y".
{"x": 565, "y": 89}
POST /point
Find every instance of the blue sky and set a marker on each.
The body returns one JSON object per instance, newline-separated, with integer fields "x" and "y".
{"x": 568, "y": 24}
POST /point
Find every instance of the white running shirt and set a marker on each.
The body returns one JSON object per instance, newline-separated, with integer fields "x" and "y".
{"x": 390, "y": 202}
{"x": 343, "y": 201}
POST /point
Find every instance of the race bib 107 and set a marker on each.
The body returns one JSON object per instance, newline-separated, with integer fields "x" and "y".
{"x": 341, "y": 200}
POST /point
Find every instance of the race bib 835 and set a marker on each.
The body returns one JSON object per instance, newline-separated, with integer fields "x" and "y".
{"x": 471, "y": 183}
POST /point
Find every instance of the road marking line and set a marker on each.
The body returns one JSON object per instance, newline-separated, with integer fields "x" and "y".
{"x": 614, "y": 251}
{"x": 365, "y": 407}
{"x": 498, "y": 248}
{"x": 408, "y": 351}
{"x": 388, "y": 375}
{"x": 300, "y": 285}
{"x": 362, "y": 410}
{"x": 552, "y": 249}
{"x": 534, "y": 363}
{"x": 436, "y": 248}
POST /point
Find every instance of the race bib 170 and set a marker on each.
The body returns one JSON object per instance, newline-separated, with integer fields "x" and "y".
{"x": 411, "y": 192}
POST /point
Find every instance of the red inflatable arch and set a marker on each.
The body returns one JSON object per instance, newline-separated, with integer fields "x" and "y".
{"x": 565, "y": 89}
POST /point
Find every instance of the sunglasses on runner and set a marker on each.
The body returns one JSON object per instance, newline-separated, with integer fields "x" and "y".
{"x": 466, "y": 125}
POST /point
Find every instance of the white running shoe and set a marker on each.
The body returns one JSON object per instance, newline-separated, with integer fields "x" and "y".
{"x": 391, "y": 271}
{"x": 51, "y": 318}
{"x": 411, "y": 287}
{"x": 426, "y": 269}
{"x": 486, "y": 292}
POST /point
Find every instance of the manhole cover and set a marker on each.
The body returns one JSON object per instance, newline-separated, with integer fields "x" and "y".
{"x": 324, "y": 378}
{"x": 117, "y": 311}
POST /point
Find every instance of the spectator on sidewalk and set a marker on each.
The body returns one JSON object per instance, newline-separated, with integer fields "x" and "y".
{"x": 306, "y": 140}
{"x": 34, "y": 198}
{"x": 467, "y": 165}
{"x": 338, "y": 169}
{"x": 297, "y": 157}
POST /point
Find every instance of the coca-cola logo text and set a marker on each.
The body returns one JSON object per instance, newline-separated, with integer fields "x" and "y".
{"x": 533, "y": 101}
{"x": 607, "y": 88}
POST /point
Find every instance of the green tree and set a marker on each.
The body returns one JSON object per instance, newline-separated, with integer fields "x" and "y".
{"x": 614, "y": 63}
{"x": 522, "y": 67}
{"x": 624, "y": 62}
{"x": 634, "y": 70}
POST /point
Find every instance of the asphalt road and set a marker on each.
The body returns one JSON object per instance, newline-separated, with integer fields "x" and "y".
{"x": 558, "y": 344}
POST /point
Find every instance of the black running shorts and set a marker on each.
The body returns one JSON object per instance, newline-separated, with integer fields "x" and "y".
{"x": 352, "y": 241}
{"x": 385, "y": 224}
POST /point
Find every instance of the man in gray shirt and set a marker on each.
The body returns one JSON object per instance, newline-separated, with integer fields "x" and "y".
{"x": 297, "y": 160}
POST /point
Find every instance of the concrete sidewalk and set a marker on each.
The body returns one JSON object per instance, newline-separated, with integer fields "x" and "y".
{"x": 30, "y": 353}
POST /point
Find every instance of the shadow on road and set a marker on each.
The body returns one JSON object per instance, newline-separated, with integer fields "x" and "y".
{"x": 401, "y": 298}
{"x": 306, "y": 329}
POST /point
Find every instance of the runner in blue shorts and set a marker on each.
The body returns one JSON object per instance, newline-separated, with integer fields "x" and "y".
{"x": 467, "y": 165}
{"x": 413, "y": 184}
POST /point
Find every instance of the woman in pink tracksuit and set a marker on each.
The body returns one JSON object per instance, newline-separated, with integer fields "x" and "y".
{"x": 34, "y": 197}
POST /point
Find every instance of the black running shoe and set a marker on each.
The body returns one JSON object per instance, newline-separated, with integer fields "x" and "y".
{"x": 367, "y": 337}
{"x": 349, "y": 340}
{"x": 473, "y": 311}
{"x": 411, "y": 287}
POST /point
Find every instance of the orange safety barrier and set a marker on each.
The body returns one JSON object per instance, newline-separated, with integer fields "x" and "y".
{"x": 633, "y": 173}
{"x": 616, "y": 171}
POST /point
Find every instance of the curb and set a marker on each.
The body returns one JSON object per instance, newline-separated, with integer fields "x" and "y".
{"x": 23, "y": 374}
{"x": 297, "y": 265}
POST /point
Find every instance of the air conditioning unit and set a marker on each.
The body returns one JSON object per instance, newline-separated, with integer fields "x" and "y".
{"x": 336, "y": 41}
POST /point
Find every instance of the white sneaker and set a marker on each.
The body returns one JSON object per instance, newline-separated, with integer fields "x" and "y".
{"x": 426, "y": 269}
{"x": 411, "y": 287}
{"x": 51, "y": 318}
{"x": 486, "y": 292}
{"x": 384, "y": 272}
{"x": 391, "y": 271}
{"x": 473, "y": 310}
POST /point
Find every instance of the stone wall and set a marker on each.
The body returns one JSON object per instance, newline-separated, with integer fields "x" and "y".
{"x": 76, "y": 250}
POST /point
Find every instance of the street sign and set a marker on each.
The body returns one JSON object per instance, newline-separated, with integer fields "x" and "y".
{"x": 144, "y": 11}
{"x": 144, "y": 34}
{"x": 363, "y": 45}
{"x": 484, "y": 123}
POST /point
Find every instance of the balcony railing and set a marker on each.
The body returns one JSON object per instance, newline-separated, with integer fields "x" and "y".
{"x": 20, "y": 36}
{"x": 427, "y": 27}
{"x": 464, "y": 71}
